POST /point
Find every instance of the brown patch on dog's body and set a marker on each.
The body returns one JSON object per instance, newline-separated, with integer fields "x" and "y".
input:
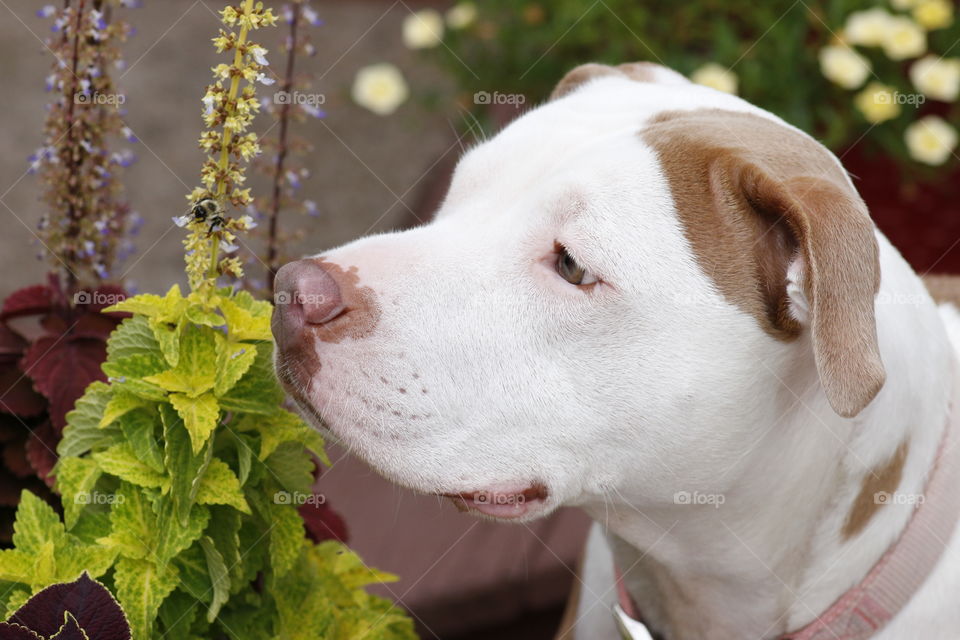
{"x": 943, "y": 288}
{"x": 882, "y": 480}
{"x": 751, "y": 194}
{"x": 361, "y": 310}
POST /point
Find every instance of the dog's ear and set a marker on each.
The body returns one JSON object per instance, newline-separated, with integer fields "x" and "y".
{"x": 639, "y": 71}
{"x": 774, "y": 222}
{"x": 838, "y": 273}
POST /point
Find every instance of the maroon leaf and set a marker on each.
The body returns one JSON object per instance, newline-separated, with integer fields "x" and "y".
{"x": 323, "y": 523}
{"x": 9, "y": 489}
{"x": 11, "y": 344}
{"x": 29, "y": 301}
{"x": 17, "y": 395}
{"x": 94, "y": 325}
{"x": 16, "y": 632}
{"x": 70, "y": 631}
{"x": 107, "y": 296}
{"x": 61, "y": 368}
{"x": 41, "y": 451}
{"x": 15, "y": 457}
{"x": 95, "y": 610}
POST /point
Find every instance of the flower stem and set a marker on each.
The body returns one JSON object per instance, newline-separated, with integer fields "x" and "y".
{"x": 284, "y": 118}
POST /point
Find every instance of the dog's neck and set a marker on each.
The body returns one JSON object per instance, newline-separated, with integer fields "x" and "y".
{"x": 800, "y": 521}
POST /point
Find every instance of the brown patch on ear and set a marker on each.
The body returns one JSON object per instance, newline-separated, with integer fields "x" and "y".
{"x": 752, "y": 195}
{"x": 639, "y": 71}
{"x": 882, "y": 480}
{"x": 944, "y": 288}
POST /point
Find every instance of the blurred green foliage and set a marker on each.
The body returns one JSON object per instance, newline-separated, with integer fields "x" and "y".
{"x": 772, "y": 46}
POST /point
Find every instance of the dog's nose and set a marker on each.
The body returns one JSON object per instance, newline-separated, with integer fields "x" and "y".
{"x": 306, "y": 285}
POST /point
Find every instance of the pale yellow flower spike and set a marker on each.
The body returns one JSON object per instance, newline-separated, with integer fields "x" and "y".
{"x": 232, "y": 109}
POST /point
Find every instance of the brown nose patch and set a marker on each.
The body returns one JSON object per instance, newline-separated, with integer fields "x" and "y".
{"x": 361, "y": 309}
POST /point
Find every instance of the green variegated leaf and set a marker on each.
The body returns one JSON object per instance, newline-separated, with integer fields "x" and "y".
{"x": 257, "y": 391}
{"x": 233, "y": 360}
{"x": 167, "y": 336}
{"x": 200, "y": 416}
{"x": 196, "y": 369}
{"x": 172, "y": 537}
{"x": 119, "y": 405}
{"x": 140, "y": 430}
{"x": 82, "y": 432}
{"x": 246, "y": 323}
{"x": 74, "y": 559}
{"x": 219, "y": 577}
{"x": 183, "y": 465}
{"x": 220, "y": 485}
{"x": 76, "y": 478}
{"x": 286, "y": 537}
{"x": 292, "y": 466}
{"x": 36, "y": 523}
{"x": 198, "y": 315}
{"x": 133, "y": 339}
{"x": 141, "y": 589}
{"x": 167, "y": 308}
{"x": 284, "y": 426}
{"x": 194, "y": 575}
{"x": 178, "y": 613}
{"x": 120, "y": 460}
{"x": 224, "y": 530}
{"x": 16, "y": 565}
{"x": 133, "y": 525}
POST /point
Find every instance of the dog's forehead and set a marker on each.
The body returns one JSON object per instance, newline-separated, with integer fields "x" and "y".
{"x": 589, "y": 131}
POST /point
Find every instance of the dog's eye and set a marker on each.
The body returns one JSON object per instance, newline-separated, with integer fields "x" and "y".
{"x": 572, "y": 272}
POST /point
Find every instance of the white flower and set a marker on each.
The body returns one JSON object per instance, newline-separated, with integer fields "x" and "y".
{"x": 937, "y": 78}
{"x": 208, "y": 101}
{"x": 716, "y": 77}
{"x": 904, "y": 39}
{"x": 263, "y": 78}
{"x": 934, "y": 14}
{"x": 462, "y": 15}
{"x": 423, "y": 29}
{"x": 380, "y": 88}
{"x": 843, "y": 66}
{"x": 877, "y": 103}
{"x": 247, "y": 222}
{"x": 868, "y": 28}
{"x": 931, "y": 140}
{"x": 260, "y": 55}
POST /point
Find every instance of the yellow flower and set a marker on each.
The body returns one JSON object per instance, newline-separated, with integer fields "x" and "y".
{"x": 423, "y": 29}
{"x": 937, "y": 78}
{"x": 877, "y": 103}
{"x": 931, "y": 140}
{"x": 462, "y": 15}
{"x": 380, "y": 88}
{"x": 868, "y": 28}
{"x": 716, "y": 77}
{"x": 934, "y": 14}
{"x": 843, "y": 66}
{"x": 904, "y": 39}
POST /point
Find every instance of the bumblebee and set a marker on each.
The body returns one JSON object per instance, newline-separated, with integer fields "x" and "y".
{"x": 204, "y": 210}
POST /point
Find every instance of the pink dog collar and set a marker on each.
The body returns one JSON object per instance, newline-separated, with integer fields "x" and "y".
{"x": 902, "y": 570}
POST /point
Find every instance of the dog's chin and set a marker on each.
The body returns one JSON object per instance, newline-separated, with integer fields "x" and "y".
{"x": 510, "y": 501}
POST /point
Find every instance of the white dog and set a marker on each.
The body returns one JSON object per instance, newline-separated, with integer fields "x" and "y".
{"x": 666, "y": 306}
